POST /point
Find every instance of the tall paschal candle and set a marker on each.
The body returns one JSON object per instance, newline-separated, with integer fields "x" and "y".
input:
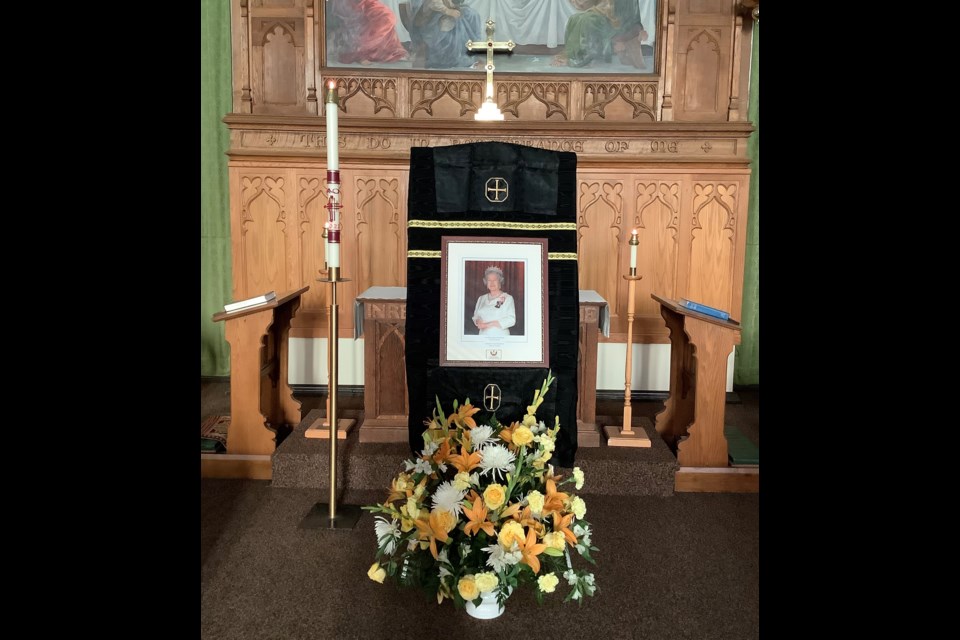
{"x": 333, "y": 176}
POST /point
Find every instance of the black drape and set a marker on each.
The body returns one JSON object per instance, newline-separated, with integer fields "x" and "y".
{"x": 447, "y": 185}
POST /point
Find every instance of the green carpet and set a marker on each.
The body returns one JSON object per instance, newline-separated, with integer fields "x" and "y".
{"x": 741, "y": 451}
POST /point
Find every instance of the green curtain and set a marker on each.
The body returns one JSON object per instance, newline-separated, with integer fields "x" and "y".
{"x": 215, "y": 102}
{"x": 746, "y": 367}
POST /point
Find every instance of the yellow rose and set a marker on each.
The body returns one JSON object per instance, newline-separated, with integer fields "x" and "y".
{"x": 494, "y": 496}
{"x": 522, "y": 436}
{"x": 486, "y": 581}
{"x": 511, "y": 532}
{"x": 376, "y": 573}
{"x": 446, "y": 520}
{"x": 468, "y": 588}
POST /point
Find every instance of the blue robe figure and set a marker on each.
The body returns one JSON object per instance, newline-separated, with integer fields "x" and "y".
{"x": 445, "y": 27}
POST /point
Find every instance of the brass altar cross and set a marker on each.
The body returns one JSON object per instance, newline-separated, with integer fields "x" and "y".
{"x": 489, "y": 104}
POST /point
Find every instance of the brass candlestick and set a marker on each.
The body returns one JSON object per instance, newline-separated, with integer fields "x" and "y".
{"x": 627, "y": 437}
{"x": 326, "y": 515}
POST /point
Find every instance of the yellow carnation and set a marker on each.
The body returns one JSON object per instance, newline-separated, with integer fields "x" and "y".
{"x": 548, "y": 583}
{"x": 578, "y": 477}
{"x": 578, "y": 506}
{"x": 554, "y": 540}
{"x": 535, "y": 500}
{"x": 461, "y": 481}
{"x": 494, "y": 496}
{"x": 468, "y": 588}
{"x": 522, "y": 436}
{"x": 511, "y": 532}
{"x": 376, "y": 573}
{"x": 486, "y": 581}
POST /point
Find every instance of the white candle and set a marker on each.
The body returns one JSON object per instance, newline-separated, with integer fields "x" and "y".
{"x": 333, "y": 136}
{"x": 633, "y": 249}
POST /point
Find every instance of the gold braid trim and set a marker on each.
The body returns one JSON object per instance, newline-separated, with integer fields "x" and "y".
{"x": 488, "y": 224}
{"x": 421, "y": 253}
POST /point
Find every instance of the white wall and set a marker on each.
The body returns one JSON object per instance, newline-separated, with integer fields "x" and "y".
{"x": 650, "y": 370}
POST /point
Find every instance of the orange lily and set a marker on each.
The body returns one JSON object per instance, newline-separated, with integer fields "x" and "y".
{"x": 530, "y": 549}
{"x": 399, "y": 489}
{"x": 553, "y": 500}
{"x": 465, "y": 462}
{"x": 562, "y": 524}
{"x": 463, "y": 416}
{"x": 526, "y": 519}
{"x": 507, "y": 434}
{"x": 477, "y": 517}
{"x": 443, "y": 454}
{"x": 431, "y": 529}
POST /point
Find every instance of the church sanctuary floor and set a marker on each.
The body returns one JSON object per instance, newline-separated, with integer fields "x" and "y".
{"x": 684, "y": 565}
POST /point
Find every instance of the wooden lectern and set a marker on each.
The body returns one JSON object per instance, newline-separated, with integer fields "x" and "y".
{"x": 692, "y": 420}
{"x": 260, "y": 396}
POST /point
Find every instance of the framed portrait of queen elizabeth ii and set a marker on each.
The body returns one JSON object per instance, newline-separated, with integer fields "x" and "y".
{"x": 494, "y": 302}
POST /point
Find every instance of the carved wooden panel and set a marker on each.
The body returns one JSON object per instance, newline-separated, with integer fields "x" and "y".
{"x": 259, "y": 239}
{"x": 600, "y": 232}
{"x": 311, "y": 215}
{"x": 713, "y": 244}
{"x": 619, "y": 101}
{"x": 278, "y": 65}
{"x": 390, "y": 346}
{"x": 380, "y": 228}
{"x": 368, "y": 96}
{"x": 534, "y": 100}
{"x": 657, "y": 219}
{"x": 703, "y": 69}
{"x": 443, "y": 98}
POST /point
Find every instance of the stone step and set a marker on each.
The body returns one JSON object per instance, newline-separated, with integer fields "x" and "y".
{"x": 368, "y": 467}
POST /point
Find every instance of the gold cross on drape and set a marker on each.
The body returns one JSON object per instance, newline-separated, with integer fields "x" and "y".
{"x": 491, "y": 47}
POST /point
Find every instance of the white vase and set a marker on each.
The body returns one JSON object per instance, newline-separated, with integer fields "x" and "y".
{"x": 488, "y": 607}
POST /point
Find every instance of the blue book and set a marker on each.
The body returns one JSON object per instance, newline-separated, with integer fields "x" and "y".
{"x": 702, "y": 308}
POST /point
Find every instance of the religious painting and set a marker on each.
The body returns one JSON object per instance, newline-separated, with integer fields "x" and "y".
{"x": 551, "y": 36}
{"x": 494, "y": 302}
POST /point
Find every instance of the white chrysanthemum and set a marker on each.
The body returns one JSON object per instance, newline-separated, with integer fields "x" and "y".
{"x": 448, "y": 497}
{"x": 500, "y": 558}
{"x": 387, "y": 533}
{"x": 497, "y": 459}
{"x": 479, "y": 436}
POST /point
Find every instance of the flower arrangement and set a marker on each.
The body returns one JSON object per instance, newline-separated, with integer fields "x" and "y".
{"x": 481, "y": 511}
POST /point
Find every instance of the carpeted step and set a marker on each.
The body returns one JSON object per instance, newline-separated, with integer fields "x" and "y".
{"x": 369, "y": 467}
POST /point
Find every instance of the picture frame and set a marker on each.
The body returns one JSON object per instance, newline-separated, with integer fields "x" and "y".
{"x": 500, "y": 324}
{"x": 431, "y": 35}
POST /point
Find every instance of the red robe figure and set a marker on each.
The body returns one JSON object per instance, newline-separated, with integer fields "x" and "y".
{"x": 365, "y": 31}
